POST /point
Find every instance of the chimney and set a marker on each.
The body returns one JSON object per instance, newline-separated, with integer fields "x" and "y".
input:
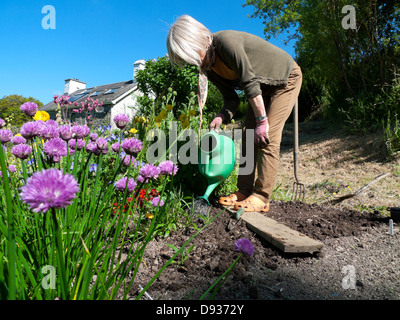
{"x": 138, "y": 65}
{"x": 71, "y": 85}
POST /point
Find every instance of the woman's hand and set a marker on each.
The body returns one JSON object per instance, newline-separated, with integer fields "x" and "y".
{"x": 261, "y": 133}
{"x": 216, "y": 123}
{"x": 262, "y": 126}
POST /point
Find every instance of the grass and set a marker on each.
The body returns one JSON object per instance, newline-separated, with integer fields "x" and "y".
{"x": 337, "y": 162}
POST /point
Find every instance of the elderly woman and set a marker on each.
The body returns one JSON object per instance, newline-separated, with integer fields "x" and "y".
{"x": 271, "y": 81}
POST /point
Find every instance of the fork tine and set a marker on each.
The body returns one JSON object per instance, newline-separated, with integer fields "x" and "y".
{"x": 299, "y": 191}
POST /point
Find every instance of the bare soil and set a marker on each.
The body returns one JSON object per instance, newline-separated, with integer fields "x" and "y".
{"x": 360, "y": 260}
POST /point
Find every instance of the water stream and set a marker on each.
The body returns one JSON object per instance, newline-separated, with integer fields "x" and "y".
{"x": 201, "y": 207}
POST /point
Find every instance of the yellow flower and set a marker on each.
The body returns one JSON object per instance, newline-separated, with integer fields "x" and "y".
{"x": 150, "y": 215}
{"x": 192, "y": 113}
{"x": 133, "y": 130}
{"x": 183, "y": 117}
{"x": 185, "y": 124}
{"x": 169, "y": 107}
{"x": 41, "y": 115}
{"x": 163, "y": 114}
{"x": 157, "y": 119}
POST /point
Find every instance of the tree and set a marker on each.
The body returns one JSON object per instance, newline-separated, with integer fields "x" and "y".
{"x": 10, "y": 108}
{"x": 158, "y": 76}
{"x": 340, "y": 65}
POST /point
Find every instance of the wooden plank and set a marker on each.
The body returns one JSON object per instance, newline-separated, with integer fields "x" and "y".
{"x": 281, "y": 236}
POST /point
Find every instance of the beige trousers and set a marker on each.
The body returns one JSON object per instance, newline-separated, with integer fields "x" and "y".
{"x": 279, "y": 102}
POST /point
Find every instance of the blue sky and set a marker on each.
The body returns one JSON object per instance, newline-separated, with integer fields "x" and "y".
{"x": 97, "y": 41}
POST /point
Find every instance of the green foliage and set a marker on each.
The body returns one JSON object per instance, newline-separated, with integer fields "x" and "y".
{"x": 159, "y": 76}
{"x": 183, "y": 254}
{"x": 392, "y": 135}
{"x": 347, "y": 73}
{"x": 229, "y": 185}
{"x": 10, "y": 109}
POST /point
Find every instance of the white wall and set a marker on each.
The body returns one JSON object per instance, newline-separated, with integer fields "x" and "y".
{"x": 123, "y": 107}
{"x": 71, "y": 85}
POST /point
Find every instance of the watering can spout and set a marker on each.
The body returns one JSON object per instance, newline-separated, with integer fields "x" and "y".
{"x": 216, "y": 159}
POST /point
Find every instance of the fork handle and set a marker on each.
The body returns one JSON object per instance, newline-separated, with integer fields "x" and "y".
{"x": 296, "y": 137}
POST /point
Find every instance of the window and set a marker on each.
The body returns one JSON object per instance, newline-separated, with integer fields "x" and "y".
{"x": 96, "y": 93}
{"x": 110, "y": 91}
{"x": 78, "y": 96}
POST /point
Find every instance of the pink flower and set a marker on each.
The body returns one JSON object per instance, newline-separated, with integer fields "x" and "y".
{"x": 5, "y": 135}
{"x": 121, "y": 120}
{"x": 125, "y": 183}
{"x": 21, "y": 151}
{"x": 48, "y": 189}
{"x": 131, "y": 146}
{"x": 245, "y": 246}
{"x": 29, "y": 108}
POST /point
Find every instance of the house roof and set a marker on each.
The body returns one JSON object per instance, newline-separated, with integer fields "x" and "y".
{"x": 108, "y": 94}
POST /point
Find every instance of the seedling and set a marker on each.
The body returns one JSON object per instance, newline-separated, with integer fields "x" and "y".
{"x": 183, "y": 256}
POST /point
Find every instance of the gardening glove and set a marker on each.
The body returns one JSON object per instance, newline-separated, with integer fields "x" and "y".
{"x": 261, "y": 133}
{"x": 216, "y": 123}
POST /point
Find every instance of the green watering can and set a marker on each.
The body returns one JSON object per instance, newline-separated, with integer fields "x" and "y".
{"x": 216, "y": 159}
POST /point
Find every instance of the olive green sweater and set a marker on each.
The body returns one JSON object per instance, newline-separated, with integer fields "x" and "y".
{"x": 254, "y": 60}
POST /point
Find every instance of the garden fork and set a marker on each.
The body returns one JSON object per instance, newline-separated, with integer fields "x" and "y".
{"x": 299, "y": 190}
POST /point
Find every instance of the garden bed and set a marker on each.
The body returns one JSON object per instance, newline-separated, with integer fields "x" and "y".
{"x": 353, "y": 241}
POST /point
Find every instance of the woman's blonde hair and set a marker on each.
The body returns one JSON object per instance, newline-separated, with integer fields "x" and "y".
{"x": 187, "y": 39}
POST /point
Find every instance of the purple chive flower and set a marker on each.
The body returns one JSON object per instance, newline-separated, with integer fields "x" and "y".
{"x": 157, "y": 201}
{"x": 131, "y": 145}
{"x": 93, "y": 136}
{"x": 51, "y": 122}
{"x": 12, "y": 168}
{"x": 167, "y": 167}
{"x": 49, "y": 189}
{"x": 79, "y": 132}
{"x": 49, "y": 132}
{"x": 18, "y": 140}
{"x": 29, "y": 108}
{"x": 65, "y": 132}
{"x": 121, "y": 120}
{"x": 124, "y": 182}
{"x": 55, "y": 149}
{"x": 129, "y": 160}
{"x": 2, "y": 123}
{"x": 92, "y": 147}
{"x": 115, "y": 147}
{"x": 245, "y": 246}
{"x": 78, "y": 144}
{"x": 5, "y": 135}
{"x": 140, "y": 179}
{"x": 102, "y": 143}
{"x": 149, "y": 171}
{"x": 29, "y": 130}
{"x": 21, "y": 151}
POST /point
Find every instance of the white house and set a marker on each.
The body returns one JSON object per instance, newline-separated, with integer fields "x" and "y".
{"x": 117, "y": 97}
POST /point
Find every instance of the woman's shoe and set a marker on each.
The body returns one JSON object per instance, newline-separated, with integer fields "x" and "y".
{"x": 231, "y": 199}
{"x": 252, "y": 204}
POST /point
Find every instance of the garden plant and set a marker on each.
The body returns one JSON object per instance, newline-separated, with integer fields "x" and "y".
{"x": 80, "y": 204}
